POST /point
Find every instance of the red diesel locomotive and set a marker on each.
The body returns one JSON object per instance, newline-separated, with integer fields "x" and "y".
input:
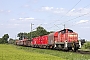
{"x": 65, "y": 39}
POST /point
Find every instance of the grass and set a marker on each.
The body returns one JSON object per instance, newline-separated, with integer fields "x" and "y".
{"x": 61, "y": 54}
{"x": 12, "y": 52}
{"x": 86, "y": 46}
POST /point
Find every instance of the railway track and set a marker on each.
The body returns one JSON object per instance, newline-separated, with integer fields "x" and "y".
{"x": 78, "y": 51}
{"x": 83, "y": 52}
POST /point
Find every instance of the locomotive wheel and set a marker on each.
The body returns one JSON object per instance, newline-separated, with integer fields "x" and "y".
{"x": 66, "y": 49}
{"x": 44, "y": 47}
{"x": 74, "y": 49}
{"x": 59, "y": 47}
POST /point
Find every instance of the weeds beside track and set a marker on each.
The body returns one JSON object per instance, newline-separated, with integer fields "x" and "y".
{"x": 61, "y": 54}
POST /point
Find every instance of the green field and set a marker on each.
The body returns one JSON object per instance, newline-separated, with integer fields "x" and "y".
{"x": 12, "y": 52}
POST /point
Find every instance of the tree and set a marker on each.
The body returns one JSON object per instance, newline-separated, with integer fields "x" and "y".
{"x": 5, "y": 38}
{"x": 22, "y": 35}
{"x": 11, "y": 41}
{"x": 1, "y": 41}
{"x": 41, "y": 31}
{"x": 34, "y": 34}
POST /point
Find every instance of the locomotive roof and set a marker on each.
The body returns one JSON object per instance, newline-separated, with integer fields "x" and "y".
{"x": 61, "y": 31}
{"x": 65, "y": 30}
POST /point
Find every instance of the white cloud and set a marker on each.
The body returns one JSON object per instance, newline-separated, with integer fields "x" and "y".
{"x": 29, "y": 18}
{"x": 1, "y": 25}
{"x": 82, "y": 21}
{"x": 63, "y": 11}
{"x": 79, "y": 12}
{"x": 20, "y": 18}
{"x": 9, "y": 25}
{"x": 5, "y": 11}
{"x": 53, "y": 10}
{"x": 73, "y": 10}
{"x": 26, "y": 19}
{"x": 1, "y": 10}
{"x": 9, "y": 11}
{"x": 47, "y": 8}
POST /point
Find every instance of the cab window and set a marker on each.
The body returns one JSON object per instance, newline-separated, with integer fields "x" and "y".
{"x": 70, "y": 31}
{"x": 63, "y": 31}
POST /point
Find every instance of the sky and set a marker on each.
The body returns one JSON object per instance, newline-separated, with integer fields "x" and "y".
{"x": 17, "y": 15}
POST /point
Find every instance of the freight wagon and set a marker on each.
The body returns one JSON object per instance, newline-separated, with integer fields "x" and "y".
{"x": 64, "y": 39}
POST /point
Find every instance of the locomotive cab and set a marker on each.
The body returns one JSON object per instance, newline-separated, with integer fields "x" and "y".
{"x": 68, "y": 40}
{"x": 68, "y": 35}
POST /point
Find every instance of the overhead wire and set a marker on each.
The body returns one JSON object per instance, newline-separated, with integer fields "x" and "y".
{"x": 79, "y": 16}
{"x": 86, "y": 14}
{"x": 75, "y": 17}
{"x": 69, "y": 10}
{"x": 72, "y": 18}
{"x": 73, "y": 7}
{"x": 76, "y": 24}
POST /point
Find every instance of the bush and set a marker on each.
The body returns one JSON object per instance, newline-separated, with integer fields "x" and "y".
{"x": 87, "y": 45}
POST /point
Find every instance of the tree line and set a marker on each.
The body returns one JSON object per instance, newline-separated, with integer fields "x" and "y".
{"x": 40, "y": 31}
{"x": 4, "y": 39}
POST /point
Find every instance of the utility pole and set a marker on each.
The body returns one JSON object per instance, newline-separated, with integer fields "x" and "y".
{"x": 31, "y": 30}
{"x": 64, "y": 26}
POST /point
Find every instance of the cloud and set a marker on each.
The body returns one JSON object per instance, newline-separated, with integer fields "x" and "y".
{"x": 22, "y": 20}
{"x": 47, "y": 8}
{"x": 1, "y": 24}
{"x": 63, "y": 11}
{"x": 79, "y": 11}
{"x": 5, "y": 11}
{"x": 9, "y": 25}
{"x": 1, "y": 10}
{"x": 27, "y": 19}
{"x": 53, "y": 10}
{"x": 82, "y": 21}
{"x": 9, "y": 11}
